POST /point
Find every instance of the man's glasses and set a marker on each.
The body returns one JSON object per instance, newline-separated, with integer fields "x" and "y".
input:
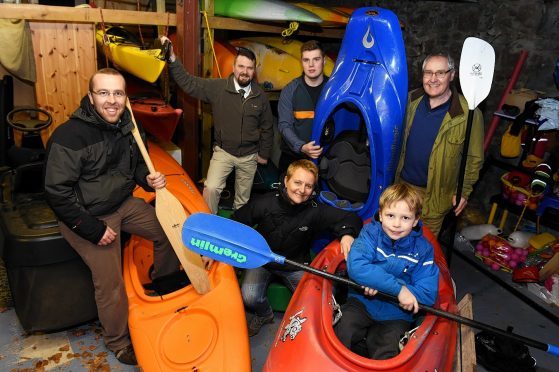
{"x": 439, "y": 74}
{"x": 105, "y": 93}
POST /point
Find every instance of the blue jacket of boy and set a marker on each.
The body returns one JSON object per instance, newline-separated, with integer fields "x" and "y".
{"x": 378, "y": 262}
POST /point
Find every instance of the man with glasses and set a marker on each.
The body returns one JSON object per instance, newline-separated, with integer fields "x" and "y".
{"x": 433, "y": 140}
{"x": 243, "y": 125}
{"x": 92, "y": 167}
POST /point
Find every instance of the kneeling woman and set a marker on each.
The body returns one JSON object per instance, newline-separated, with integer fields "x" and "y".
{"x": 289, "y": 220}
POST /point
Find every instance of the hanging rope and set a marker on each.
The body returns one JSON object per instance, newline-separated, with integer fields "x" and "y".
{"x": 293, "y": 26}
{"x": 211, "y": 41}
{"x": 167, "y": 25}
{"x": 105, "y": 39}
{"x": 140, "y": 27}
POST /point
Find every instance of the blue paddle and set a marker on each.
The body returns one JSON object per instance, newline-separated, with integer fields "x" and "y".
{"x": 241, "y": 246}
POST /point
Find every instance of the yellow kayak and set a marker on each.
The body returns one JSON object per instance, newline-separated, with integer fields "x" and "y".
{"x": 126, "y": 54}
{"x": 330, "y": 17}
{"x": 290, "y": 46}
{"x": 274, "y": 67}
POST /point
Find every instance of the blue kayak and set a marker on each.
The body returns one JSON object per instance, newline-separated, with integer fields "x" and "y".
{"x": 359, "y": 117}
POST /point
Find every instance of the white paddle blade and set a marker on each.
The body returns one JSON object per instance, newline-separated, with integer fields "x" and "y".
{"x": 477, "y": 64}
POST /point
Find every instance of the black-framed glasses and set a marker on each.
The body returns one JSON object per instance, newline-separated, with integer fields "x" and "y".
{"x": 105, "y": 93}
{"x": 439, "y": 74}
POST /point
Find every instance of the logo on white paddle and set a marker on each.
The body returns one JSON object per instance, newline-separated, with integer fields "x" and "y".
{"x": 294, "y": 327}
{"x": 368, "y": 40}
{"x": 476, "y": 69}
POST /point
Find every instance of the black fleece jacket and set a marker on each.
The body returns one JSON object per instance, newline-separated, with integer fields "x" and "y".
{"x": 290, "y": 229}
{"x": 91, "y": 167}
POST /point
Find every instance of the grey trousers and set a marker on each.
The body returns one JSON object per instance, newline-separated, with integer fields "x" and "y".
{"x": 136, "y": 217}
{"x": 221, "y": 165}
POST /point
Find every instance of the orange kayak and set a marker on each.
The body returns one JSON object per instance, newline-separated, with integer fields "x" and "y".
{"x": 184, "y": 331}
{"x": 306, "y": 328}
{"x": 157, "y": 118}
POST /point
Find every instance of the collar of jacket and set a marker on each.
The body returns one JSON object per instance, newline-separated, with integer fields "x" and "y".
{"x": 86, "y": 112}
{"x": 455, "y": 108}
{"x": 230, "y": 87}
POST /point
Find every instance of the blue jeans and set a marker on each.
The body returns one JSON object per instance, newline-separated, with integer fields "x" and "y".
{"x": 255, "y": 286}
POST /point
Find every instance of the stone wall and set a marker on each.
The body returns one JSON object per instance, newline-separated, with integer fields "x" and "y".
{"x": 509, "y": 26}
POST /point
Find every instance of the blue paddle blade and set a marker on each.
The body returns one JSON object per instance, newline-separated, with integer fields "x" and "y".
{"x": 227, "y": 241}
{"x": 553, "y": 349}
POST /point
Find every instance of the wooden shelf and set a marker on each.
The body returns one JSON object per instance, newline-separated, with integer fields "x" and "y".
{"x": 517, "y": 289}
{"x": 32, "y": 12}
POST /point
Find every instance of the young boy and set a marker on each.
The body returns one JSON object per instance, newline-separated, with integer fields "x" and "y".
{"x": 392, "y": 256}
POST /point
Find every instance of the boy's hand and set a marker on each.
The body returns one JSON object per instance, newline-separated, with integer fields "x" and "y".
{"x": 369, "y": 291}
{"x": 345, "y": 244}
{"x": 407, "y": 300}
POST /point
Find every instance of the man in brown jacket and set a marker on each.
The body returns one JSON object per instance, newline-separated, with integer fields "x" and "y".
{"x": 243, "y": 125}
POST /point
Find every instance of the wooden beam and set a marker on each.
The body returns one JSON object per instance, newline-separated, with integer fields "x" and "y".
{"x": 187, "y": 49}
{"x": 32, "y": 12}
{"x": 223, "y": 23}
{"x": 468, "y": 361}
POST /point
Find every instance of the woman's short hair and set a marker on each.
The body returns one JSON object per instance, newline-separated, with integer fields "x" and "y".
{"x": 304, "y": 164}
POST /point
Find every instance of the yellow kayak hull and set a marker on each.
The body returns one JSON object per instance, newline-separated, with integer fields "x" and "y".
{"x": 274, "y": 67}
{"x": 330, "y": 17}
{"x": 292, "y": 47}
{"x": 142, "y": 63}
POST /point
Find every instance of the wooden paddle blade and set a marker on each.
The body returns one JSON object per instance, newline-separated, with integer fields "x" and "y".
{"x": 477, "y": 64}
{"x": 171, "y": 216}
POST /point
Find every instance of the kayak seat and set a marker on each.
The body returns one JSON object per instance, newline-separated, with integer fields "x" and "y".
{"x": 168, "y": 283}
{"x": 346, "y": 167}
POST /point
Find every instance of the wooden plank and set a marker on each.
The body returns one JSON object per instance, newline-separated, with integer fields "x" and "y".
{"x": 224, "y": 23}
{"x": 187, "y": 49}
{"x": 32, "y": 12}
{"x": 468, "y": 361}
{"x": 207, "y": 69}
{"x": 65, "y": 59}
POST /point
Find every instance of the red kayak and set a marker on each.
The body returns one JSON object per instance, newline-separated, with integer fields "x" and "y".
{"x": 305, "y": 340}
{"x": 157, "y": 118}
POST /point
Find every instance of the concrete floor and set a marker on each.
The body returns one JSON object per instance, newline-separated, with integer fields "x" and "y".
{"x": 81, "y": 348}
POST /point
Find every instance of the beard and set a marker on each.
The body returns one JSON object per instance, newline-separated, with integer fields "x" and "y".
{"x": 243, "y": 81}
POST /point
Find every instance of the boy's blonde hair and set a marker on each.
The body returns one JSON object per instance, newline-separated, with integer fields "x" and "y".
{"x": 402, "y": 192}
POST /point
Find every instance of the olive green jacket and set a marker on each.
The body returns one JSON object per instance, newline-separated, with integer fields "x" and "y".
{"x": 442, "y": 176}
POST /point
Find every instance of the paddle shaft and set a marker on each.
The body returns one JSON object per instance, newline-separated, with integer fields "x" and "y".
{"x": 191, "y": 262}
{"x": 443, "y": 314}
{"x": 460, "y": 184}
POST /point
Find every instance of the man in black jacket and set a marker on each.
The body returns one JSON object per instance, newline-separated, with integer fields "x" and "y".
{"x": 289, "y": 220}
{"x": 92, "y": 167}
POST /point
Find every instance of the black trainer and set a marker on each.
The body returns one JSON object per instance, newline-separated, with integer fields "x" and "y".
{"x": 126, "y": 355}
{"x": 257, "y": 322}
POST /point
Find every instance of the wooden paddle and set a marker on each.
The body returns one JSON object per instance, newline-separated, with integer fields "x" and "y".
{"x": 477, "y": 64}
{"x": 241, "y": 246}
{"x": 171, "y": 216}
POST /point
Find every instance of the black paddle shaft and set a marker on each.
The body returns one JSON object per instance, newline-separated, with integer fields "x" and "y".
{"x": 460, "y": 185}
{"x": 464, "y": 158}
{"x": 428, "y": 309}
